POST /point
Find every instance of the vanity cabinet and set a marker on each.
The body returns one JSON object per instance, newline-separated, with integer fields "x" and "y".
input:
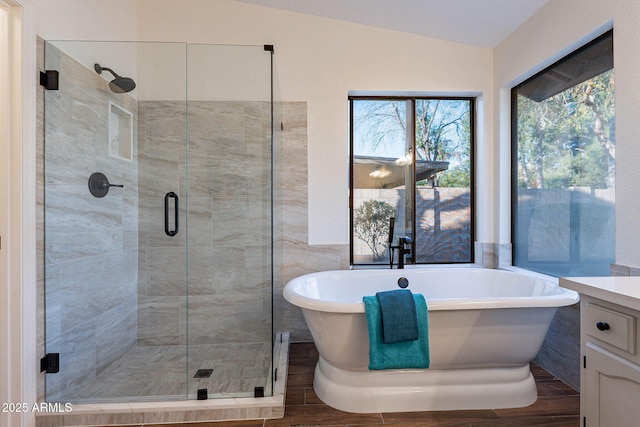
{"x": 611, "y": 390}
{"x": 609, "y": 336}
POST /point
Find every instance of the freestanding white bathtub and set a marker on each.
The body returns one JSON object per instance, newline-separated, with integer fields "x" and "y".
{"x": 485, "y": 326}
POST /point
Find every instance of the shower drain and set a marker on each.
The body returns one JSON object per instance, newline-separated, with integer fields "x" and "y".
{"x": 203, "y": 373}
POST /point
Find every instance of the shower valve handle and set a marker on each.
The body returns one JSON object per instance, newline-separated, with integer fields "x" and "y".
{"x": 99, "y": 185}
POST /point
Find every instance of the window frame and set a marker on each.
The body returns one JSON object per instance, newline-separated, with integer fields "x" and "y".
{"x": 472, "y": 156}
{"x": 514, "y": 142}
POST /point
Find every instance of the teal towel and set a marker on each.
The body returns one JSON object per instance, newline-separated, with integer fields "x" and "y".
{"x": 399, "y": 355}
{"x": 398, "y": 312}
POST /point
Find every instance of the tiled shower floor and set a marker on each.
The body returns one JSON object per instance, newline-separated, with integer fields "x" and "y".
{"x": 153, "y": 372}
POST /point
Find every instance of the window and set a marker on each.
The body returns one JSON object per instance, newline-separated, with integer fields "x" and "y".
{"x": 412, "y": 160}
{"x": 563, "y": 146}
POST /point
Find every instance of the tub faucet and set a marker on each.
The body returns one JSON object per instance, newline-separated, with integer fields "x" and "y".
{"x": 402, "y": 250}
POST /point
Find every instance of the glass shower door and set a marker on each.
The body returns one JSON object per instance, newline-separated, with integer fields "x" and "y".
{"x": 114, "y": 278}
{"x": 229, "y": 215}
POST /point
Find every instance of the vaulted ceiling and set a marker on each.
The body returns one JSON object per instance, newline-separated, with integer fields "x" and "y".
{"x": 483, "y": 23}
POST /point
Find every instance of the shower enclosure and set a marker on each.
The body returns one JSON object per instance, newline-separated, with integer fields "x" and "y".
{"x": 158, "y": 221}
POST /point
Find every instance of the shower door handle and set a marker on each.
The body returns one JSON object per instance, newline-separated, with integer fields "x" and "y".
{"x": 171, "y": 195}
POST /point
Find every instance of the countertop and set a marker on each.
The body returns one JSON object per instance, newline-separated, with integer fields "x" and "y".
{"x": 621, "y": 290}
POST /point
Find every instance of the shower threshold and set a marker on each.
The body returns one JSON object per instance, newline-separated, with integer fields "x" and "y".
{"x": 219, "y": 408}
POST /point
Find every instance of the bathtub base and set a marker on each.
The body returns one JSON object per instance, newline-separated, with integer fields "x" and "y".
{"x": 411, "y": 390}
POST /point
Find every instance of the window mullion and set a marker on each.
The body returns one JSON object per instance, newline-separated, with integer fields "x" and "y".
{"x": 410, "y": 180}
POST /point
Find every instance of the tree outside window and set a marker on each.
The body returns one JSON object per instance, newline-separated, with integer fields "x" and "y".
{"x": 564, "y": 165}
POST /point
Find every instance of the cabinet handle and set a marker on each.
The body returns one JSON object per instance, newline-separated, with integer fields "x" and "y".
{"x": 603, "y": 326}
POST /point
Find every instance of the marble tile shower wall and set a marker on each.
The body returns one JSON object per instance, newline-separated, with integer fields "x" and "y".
{"x": 227, "y": 174}
{"x": 230, "y": 299}
{"x": 293, "y": 256}
{"x": 90, "y": 243}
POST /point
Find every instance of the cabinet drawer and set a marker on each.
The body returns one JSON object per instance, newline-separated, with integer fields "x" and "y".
{"x": 611, "y": 327}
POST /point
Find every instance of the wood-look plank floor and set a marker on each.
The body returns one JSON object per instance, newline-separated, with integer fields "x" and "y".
{"x": 558, "y": 405}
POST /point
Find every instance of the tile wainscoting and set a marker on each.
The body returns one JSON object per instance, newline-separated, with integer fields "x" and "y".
{"x": 624, "y": 270}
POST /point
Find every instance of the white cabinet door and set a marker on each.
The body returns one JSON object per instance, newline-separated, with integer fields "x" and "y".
{"x": 612, "y": 389}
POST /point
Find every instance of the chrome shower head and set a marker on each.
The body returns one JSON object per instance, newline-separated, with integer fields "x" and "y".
{"x": 118, "y": 84}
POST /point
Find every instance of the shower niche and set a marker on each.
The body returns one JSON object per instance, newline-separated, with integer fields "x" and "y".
{"x": 120, "y": 132}
{"x": 135, "y": 313}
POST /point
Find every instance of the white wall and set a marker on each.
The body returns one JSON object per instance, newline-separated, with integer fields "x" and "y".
{"x": 626, "y": 41}
{"x": 557, "y": 29}
{"x": 113, "y": 20}
{"x": 317, "y": 60}
{"x": 17, "y": 210}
